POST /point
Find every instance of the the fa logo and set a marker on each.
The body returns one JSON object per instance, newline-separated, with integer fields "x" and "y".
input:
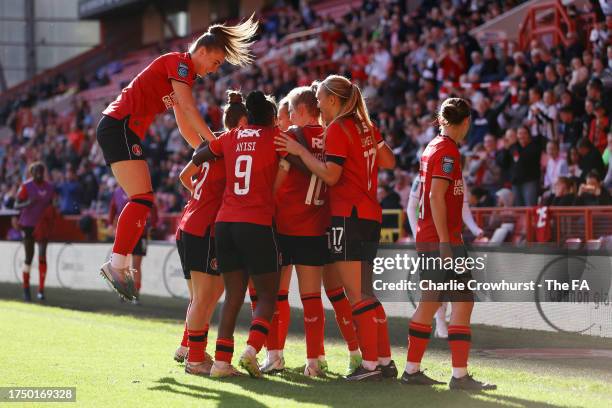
{"x": 242, "y": 133}
{"x": 317, "y": 143}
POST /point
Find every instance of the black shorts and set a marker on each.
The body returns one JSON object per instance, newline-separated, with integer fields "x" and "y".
{"x": 141, "y": 246}
{"x": 303, "y": 250}
{"x": 353, "y": 239}
{"x": 246, "y": 246}
{"x": 118, "y": 141}
{"x": 197, "y": 254}
{"x": 435, "y": 272}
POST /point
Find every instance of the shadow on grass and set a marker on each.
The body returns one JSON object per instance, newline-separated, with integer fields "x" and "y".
{"x": 336, "y": 392}
{"x": 172, "y": 310}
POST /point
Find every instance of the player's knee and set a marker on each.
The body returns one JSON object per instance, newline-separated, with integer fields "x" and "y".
{"x": 145, "y": 199}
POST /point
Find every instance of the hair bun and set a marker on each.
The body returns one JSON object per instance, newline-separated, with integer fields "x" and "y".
{"x": 234, "y": 97}
{"x": 255, "y": 99}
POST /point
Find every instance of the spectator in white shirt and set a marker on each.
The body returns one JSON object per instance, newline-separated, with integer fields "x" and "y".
{"x": 556, "y": 166}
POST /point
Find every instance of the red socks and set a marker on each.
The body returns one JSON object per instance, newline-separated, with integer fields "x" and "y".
{"x": 284, "y": 314}
{"x": 184, "y": 342}
{"x": 314, "y": 324}
{"x": 197, "y": 345}
{"x": 42, "y": 273}
{"x": 26, "y": 280}
{"x": 344, "y": 317}
{"x": 132, "y": 222}
{"x": 224, "y": 350}
{"x": 279, "y": 326}
{"x": 185, "y": 332}
{"x": 258, "y": 333}
{"x": 384, "y": 347}
{"x": 418, "y": 339}
{"x": 459, "y": 342}
{"x": 364, "y": 315}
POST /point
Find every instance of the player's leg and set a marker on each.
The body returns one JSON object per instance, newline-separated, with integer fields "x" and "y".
{"x": 207, "y": 290}
{"x": 235, "y": 280}
{"x": 139, "y": 251}
{"x": 42, "y": 269}
{"x": 28, "y": 246}
{"x": 122, "y": 150}
{"x": 258, "y": 245}
{"x": 310, "y": 278}
{"x": 419, "y": 334}
{"x": 441, "y": 326}
{"x": 459, "y": 342}
{"x": 385, "y": 362}
{"x": 181, "y": 352}
{"x": 343, "y": 313}
{"x": 279, "y": 326}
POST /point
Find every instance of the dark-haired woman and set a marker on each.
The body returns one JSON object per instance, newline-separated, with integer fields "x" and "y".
{"x": 244, "y": 238}
{"x": 35, "y": 200}
{"x": 438, "y": 238}
{"x": 353, "y": 152}
{"x": 196, "y": 246}
{"x": 165, "y": 83}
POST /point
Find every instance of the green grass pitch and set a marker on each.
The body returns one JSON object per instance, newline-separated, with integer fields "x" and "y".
{"x": 121, "y": 356}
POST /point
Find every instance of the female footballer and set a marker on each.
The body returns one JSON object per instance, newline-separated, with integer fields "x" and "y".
{"x": 165, "y": 83}
{"x": 353, "y": 151}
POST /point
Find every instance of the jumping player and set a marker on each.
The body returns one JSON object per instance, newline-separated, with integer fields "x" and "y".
{"x": 439, "y": 236}
{"x": 196, "y": 244}
{"x": 244, "y": 238}
{"x": 354, "y": 150}
{"x": 165, "y": 83}
{"x": 35, "y": 199}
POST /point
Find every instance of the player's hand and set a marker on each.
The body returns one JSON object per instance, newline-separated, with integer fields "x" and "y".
{"x": 479, "y": 233}
{"x": 446, "y": 251}
{"x": 286, "y": 144}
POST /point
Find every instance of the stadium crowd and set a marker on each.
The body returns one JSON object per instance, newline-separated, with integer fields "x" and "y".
{"x": 540, "y": 133}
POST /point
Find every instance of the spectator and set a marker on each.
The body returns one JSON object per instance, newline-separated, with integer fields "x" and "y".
{"x": 592, "y": 192}
{"x": 599, "y": 36}
{"x": 484, "y": 120}
{"x": 606, "y": 154}
{"x": 14, "y": 233}
{"x": 556, "y": 166}
{"x": 479, "y": 197}
{"x": 69, "y": 192}
{"x": 599, "y": 127}
{"x": 590, "y": 158}
{"x": 570, "y": 129}
{"x": 564, "y": 193}
{"x": 540, "y": 117}
{"x": 523, "y": 161}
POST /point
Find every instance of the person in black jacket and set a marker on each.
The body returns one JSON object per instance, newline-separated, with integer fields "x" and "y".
{"x": 590, "y": 158}
{"x": 484, "y": 120}
{"x": 570, "y": 130}
{"x": 522, "y": 159}
{"x": 564, "y": 193}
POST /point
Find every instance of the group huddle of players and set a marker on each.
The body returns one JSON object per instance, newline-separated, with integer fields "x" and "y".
{"x": 284, "y": 187}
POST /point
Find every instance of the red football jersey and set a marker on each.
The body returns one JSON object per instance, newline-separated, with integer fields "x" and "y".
{"x": 251, "y": 163}
{"x": 441, "y": 158}
{"x": 302, "y": 207}
{"x": 359, "y": 180}
{"x": 151, "y": 91}
{"x": 203, "y": 206}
